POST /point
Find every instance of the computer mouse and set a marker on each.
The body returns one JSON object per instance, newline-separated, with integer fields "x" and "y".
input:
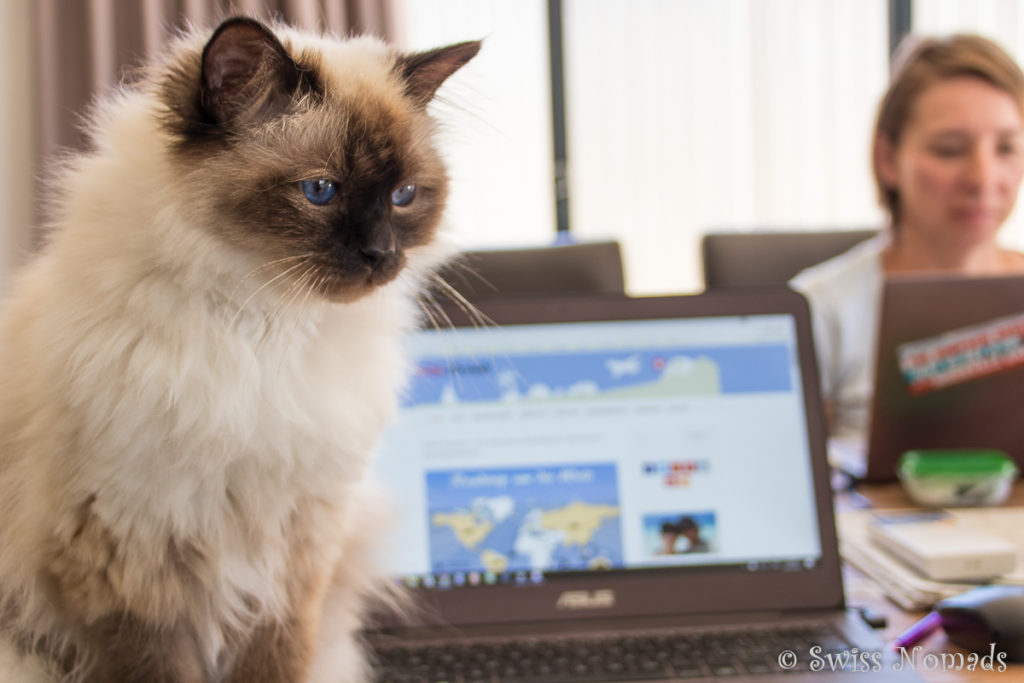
{"x": 982, "y": 616}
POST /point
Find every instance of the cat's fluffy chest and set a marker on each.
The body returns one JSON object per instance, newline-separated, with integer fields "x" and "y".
{"x": 265, "y": 403}
{"x": 226, "y": 424}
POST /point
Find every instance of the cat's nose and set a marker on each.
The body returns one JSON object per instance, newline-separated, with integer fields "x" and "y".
{"x": 374, "y": 256}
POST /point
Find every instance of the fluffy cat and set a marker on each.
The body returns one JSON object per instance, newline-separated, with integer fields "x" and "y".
{"x": 194, "y": 372}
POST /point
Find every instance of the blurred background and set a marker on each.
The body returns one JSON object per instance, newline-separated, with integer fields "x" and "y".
{"x": 650, "y": 122}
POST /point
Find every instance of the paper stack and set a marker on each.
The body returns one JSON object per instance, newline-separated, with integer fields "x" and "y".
{"x": 904, "y": 585}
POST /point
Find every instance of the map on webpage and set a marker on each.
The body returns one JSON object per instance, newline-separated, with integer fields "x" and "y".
{"x": 580, "y": 375}
{"x": 561, "y": 517}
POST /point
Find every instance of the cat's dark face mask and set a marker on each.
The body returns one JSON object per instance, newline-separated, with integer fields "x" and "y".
{"x": 333, "y": 190}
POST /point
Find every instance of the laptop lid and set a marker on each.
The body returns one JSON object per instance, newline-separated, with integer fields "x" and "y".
{"x": 949, "y": 369}
{"x": 590, "y": 457}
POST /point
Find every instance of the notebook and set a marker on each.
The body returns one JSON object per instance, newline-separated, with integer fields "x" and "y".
{"x": 949, "y": 369}
{"x": 616, "y": 475}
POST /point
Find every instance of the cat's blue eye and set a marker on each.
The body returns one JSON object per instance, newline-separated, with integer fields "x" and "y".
{"x": 403, "y": 195}
{"x": 319, "y": 191}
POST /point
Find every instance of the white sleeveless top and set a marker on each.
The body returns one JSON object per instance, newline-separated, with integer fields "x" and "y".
{"x": 845, "y": 297}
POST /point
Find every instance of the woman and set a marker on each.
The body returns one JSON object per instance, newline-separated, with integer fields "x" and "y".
{"x": 948, "y": 161}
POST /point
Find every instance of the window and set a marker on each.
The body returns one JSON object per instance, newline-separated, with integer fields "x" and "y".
{"x": 682, "y": 116}
{"x": 495, "y": 118}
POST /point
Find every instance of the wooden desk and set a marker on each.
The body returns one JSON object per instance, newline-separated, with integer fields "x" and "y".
{"x": 861, "y": 591}
{"x": 893, "y": 495}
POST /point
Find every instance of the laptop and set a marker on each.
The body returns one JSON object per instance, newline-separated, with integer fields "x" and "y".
{"x": 577, "y": 267}
{"x": 603, "y": 488}
{"x": 949, "y": 369}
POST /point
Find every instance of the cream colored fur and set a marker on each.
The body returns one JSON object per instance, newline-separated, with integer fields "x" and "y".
{"x": 15, "y": 668}
{"x": 160, "y": 378}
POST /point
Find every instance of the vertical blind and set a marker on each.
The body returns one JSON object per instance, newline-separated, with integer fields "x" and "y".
{"x": 682, "y": 116}
{"x": 692, "y": 116}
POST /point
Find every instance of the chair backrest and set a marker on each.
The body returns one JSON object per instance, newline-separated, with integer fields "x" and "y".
{"x": 568, "y": 268}
{"x": 755, "y": 259}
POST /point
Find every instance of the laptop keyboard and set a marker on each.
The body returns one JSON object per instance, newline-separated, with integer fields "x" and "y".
{"x": 689, "y": 654}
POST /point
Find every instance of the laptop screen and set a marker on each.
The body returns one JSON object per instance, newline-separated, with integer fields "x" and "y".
{"x": 532, "y": 453}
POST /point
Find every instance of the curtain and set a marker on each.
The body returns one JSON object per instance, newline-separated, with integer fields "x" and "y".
{"x": 84, "y": 46}
{"x": 17, "y": 132}
{"x": 688, "y": 117}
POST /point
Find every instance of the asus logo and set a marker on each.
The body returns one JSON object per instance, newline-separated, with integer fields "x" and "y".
{"x": 599, "y": 599}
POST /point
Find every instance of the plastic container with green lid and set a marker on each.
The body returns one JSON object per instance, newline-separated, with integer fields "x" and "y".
{"x": 957, "y": 477}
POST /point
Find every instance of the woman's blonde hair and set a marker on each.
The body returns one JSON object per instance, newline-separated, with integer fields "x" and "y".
{"x": 920, "y": 63}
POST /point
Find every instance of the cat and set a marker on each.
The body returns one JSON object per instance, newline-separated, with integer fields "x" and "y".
{"x": 195, "y": 370}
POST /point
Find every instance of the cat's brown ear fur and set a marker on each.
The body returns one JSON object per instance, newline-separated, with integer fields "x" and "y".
{"x": 424, "y": 72}
{"x": 247, "y": 74}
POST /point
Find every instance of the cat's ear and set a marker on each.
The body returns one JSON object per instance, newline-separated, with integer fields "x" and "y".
{"x": 424, "y": 72}
{"x": 247, "y": 74}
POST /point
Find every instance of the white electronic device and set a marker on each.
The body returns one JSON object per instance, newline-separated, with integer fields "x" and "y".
{"x": 942, "y": 547}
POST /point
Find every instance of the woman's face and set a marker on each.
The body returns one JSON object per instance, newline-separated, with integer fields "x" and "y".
{"x": 959, "y": 162}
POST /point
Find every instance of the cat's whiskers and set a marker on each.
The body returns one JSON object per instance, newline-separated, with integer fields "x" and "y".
{"x": 284, "y": 273}
{"x": 467, "y": 271}
{"x": 270, "y": 319}
{"x": 294, "y": 290}
{"x": 431, "y": 309}
{"x": 439, "y": 310}
{"x": 471, "y": 311}
{"x": 301, "y": 258}
{"x": 307, "y": 284}
{"x": 464, "y": 115}
{"x": 258, "y": 269}
{"x": 427, "y": 300}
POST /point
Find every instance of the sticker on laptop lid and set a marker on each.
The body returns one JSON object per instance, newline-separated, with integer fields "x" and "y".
{"x": 962, "y": 355}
